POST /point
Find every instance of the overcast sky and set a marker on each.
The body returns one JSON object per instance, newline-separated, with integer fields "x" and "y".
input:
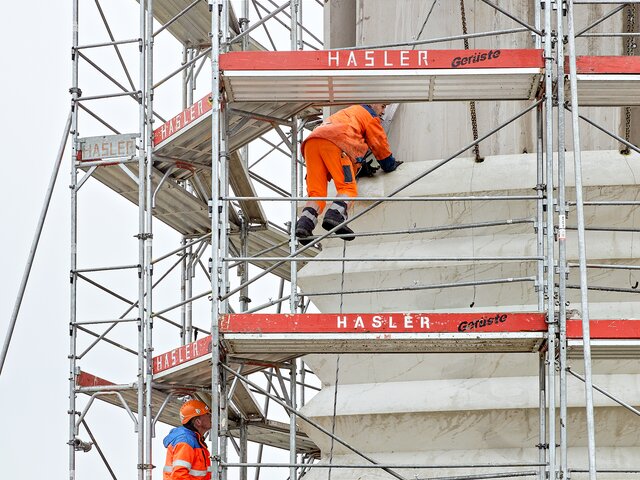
{"x": 35, "y": 42}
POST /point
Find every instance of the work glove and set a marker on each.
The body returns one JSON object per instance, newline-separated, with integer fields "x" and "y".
{"x": 389, "y": 164}
{"x": 367, "y": 169}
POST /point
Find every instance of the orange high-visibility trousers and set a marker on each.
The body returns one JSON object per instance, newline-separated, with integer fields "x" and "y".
{"x": 326, "y": 161}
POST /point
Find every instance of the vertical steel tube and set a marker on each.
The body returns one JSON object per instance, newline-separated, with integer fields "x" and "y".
{"x": 224, "y": 418}
{"x": 540, "y": 226}
{"x": 141, "y": 234}
{"x": 216, "y": 439}
{"x": 224, "y": 239}
{"x": 244, "y": 24}
{"x": 296, "y": 44}
{"x": 537, "y": 23}
{"x": 224, "y": 280}
{"x": 189, "y": 294}
{"x": 244, "y": 228}
{"x": 542, "y": 406}
{"x": 549, "y": 259}
{"x": 183, "y": 292}
{"x": 243, "y": 449}
{"x": 73, "y": 240}
{"x": 540, "y": 282}
{"x": 191, "y": 86}
{"x": 562, "y": 244}
{"x": 148, "y": 243}
{"x": 293, "y": 298}
{"x": 303, "y": 378}
{"x": 185, "y": 77}
{"x": 244, "y": 267}
{"x": 584, "y": 301}
{"x": 293, "y": 452}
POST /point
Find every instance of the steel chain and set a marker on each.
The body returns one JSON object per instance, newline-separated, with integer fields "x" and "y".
{"x": 631, "y": 46}
{"x": 472, "y": 105}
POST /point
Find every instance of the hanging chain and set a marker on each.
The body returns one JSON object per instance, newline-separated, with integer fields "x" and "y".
{"x": 472, "y": 105}
{"x": 631, "y": 46}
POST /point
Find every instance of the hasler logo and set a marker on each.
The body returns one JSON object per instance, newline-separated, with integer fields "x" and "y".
{"x": 475, "y": 58}
{"x": 383, "y": 322}
{"x": 183, "y": 354}
{"x": 377, "y": 58}
{"x": 183, "y": 119}
{"x": 482, "y": 322}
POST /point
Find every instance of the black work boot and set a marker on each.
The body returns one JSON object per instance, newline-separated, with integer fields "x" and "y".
{"x": 336, "y": 214}
{"x": 305, "y": 225}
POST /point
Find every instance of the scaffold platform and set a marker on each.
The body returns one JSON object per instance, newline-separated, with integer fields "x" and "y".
{"x": 243, "y": 406}
{"x": 387, "y": 76}
{"x": 608, "y": 80}
{"x": 190, "y": 22}
{"x": 247, "y": 335}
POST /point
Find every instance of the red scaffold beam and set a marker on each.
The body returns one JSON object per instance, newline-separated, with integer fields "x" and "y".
{"x": 383, "y": 323}
{"x": 185, "y": 118}
{"x": 628, "y": 329}
{"x": 606, "y": 65}
{"x": 382, "y": 59}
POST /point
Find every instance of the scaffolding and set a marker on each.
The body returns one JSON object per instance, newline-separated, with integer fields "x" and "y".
{"x": 210, "y": 193}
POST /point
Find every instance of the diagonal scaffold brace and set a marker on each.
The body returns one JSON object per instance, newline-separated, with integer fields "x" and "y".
{"x": 34, "y": 244}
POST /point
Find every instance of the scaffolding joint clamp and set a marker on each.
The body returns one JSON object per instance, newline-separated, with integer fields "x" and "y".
{"x": 542, "y": 446}
{"x": 75, "y": 91}
{"x": 144, "y": 236}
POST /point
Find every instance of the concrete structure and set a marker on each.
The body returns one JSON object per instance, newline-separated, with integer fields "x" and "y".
{"x": 452, "y": 409}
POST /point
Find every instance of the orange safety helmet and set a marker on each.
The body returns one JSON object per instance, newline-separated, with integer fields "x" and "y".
{"x": 192, "y": 409}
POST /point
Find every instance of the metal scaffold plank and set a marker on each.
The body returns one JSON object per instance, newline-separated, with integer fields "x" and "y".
{"x": 388, "y": 76}
{"x": 190, "y": 21}
{"x": 259, "y": 429}
{"x": 608, "y": 80}
{"x": 187, "y": 136}
{"x": 382, "y": 333}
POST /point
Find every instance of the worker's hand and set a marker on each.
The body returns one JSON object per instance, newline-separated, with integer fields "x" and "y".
{"x": 367, "y": 169}
{"x": 389, "y": 164}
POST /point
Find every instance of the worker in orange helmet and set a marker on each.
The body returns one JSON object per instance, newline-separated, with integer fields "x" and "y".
{"x": 335, "y": 150}
{"x": 187, "y": 452}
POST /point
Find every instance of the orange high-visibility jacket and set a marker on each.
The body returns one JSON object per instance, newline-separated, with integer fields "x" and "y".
{"x": 354, "y": 130}
{"x": 187, "y": 456}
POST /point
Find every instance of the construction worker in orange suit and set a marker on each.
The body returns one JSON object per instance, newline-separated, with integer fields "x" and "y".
{"x": 187, "y": 452}
{"x": 335, "y": 150}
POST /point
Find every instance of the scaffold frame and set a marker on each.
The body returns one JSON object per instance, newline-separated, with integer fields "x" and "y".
{"x": 193, "y": 173}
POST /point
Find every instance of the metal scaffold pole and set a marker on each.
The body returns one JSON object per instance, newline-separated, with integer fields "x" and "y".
{"x": 141, "y": 181}
{"x": 217, "y": 390}
{"x": 73, "y": 248}
{"x": 36, "y": 238}
{"x": 549, "y": 236}
{"x": 148, "y": 243}
{"x": 582, "y": 256}
{"x": 293, "y": 180}
{"x": 562, "y": 243}
{"x": 293, "y": 457}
